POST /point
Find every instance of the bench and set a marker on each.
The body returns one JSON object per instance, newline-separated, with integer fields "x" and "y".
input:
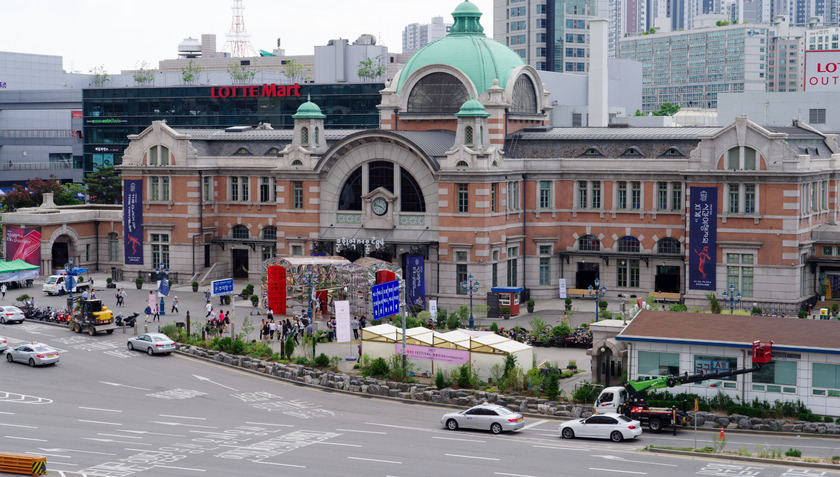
{"x": 664, "y": 296}
{"x": 23, "y": 464}
{"x": 581, "y": 292}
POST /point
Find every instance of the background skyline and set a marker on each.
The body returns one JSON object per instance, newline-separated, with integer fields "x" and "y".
{"x": 121, "y": 34}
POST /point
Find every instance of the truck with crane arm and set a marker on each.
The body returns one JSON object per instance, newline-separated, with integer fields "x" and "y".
{"x": 630, "y": 400}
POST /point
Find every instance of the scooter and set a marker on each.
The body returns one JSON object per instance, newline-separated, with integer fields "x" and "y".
{"x": 128, "y": 321}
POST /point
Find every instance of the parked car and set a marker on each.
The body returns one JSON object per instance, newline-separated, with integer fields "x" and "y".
{"x": 151, "y": 343}
{"x": 4, "y": 344}
{"x": 609, "y": 425}
{"x": 36, "y": 354}
{"x": 485, "y": 416}
{"x": 11, "y": 314}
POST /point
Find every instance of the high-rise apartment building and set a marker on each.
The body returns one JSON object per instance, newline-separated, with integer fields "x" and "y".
{"x": 550, "y": 36}
{"x": 691, "y": 67}
{"x": 416, "y": 35}
{"x": 785, "y": 56}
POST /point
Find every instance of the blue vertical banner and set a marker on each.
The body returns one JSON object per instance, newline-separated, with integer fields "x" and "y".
{"x": 702, "y": 237}
{"x": 416, "y": 282}
{"x": 133, "y": 221}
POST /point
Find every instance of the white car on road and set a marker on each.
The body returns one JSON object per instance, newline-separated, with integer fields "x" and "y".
{"x": 609, "y": 425}
{"x": 488, "y": 417}
{"x": 151, "y": 343}
{"x": 36, "y": 354}
{"x": 4, "y": 344}
{"x": 11, "y": 314}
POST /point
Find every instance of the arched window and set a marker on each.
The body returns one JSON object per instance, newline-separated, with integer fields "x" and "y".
{"x": 411, "y": 199}
{"x": 468, "y": 135}
{"x": 437, "y": 93}
{"x": 269, "y": 233}
{"x": 589, "y": 243}
{"x": 304, "y": 136}
{"x": 242, "y": 152}
{"x": 593, "y": 152}
{"x": 629, "y": 244}
{"x": 524, "y": 96}
{"x": 462, "y": 164}
{"x": 159, "y": 156}
{"x": 297, "y": 162}
{"x": 351, "y": 192}
{"x": 381, "y": 174}
{"x": 239, "y": 232}
{"x": 317, "y": 136}
{"x": 272, "y": 151}
{"x": 668, "y": 245}
{"x": 741, "y": 159}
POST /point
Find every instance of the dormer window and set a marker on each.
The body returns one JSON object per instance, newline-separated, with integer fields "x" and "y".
{"x": 593, "y": 152}
{"x": 672, "y": 152}
{"x": 159, "y": 156}
{"x": 242, "y": 152}
{"x": 462, "y": 164}
{"x": 297, "y": 162}
{"x": 273, "y": 151}
{"x": 632, "y": 151}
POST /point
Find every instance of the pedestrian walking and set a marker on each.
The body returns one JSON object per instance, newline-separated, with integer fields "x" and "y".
{"x": 174, "y": 305}
{"x": 206, "y": 295}
{"x": 92, "y": 294}
{"x": 85, "y": 295}
{"x": 362, "y": 322}
{"x": 354, "y": 325}
{"x": 148, "y": 312}
{"x": 123, "y": 294}
{"x": 3, "y": 290}
{"x": 209, "y": 309}
{"x": 272, "y": 328}
{"x": 262, "y": 328}
{"x": 157, "y": 314}
{"x": 117, "y": 296}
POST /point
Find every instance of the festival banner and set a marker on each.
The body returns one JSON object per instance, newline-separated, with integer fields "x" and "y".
{"x": 702, "y": 237}
{"x": 24, "y": 244}
{"x": 416, "y": 282}
{"x": 440, "y": 355}
{"x": 342, "y": 321}
{"x": 133, "y": 220}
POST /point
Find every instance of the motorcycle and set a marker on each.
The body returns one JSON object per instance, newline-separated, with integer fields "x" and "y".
{"x": 128, "y": 321}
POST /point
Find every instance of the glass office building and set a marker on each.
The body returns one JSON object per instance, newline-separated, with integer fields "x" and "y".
{"x": 111, "y": 114}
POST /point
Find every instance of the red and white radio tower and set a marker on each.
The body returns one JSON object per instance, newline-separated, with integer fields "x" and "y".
{"x": 237, "y": 43}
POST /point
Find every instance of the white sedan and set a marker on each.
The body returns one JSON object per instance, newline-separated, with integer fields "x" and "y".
{"x": 10, "y": 314}
{"x": 152, "y": 343}
{"x": 4, "y": 344}
{"x": 612, "y": 426}
{"x": 485, "y": 416}
{"x": 36, "y": 354}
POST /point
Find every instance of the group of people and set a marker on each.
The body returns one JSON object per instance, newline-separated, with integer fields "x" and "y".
{"x": 120, "y": 296}
{"x": 281, "y": 330}
{"x": 218, "y": 324}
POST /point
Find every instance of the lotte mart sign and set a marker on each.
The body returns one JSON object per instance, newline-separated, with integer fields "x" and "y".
{"x": 264, "y": 91}
{"x": 822, "y": 71}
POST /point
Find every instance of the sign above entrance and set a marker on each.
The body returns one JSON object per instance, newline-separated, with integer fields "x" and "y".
{"x": 344, "y": 242}
{"x": 265, "y": 91}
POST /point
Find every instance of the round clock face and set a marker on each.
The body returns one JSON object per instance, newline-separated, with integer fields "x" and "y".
{"x": 379, "y": 206}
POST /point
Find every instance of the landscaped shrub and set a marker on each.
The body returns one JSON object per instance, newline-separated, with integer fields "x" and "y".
{"x": 793, "y": 453}
{"x": 585, "y": 393}
{"x": 464, "y": 376}
{"x": 322, "y": 360}
{"x": 378, "y": 367}
{"x": 494, "y": 327}
{"x": 440, "y": 380}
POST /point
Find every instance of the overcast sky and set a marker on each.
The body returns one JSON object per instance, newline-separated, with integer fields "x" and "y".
{"x": 119, "y": 34}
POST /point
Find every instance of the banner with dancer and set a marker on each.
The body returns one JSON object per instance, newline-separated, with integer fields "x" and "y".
{"x": 133, "y": 218}
{"x": 702, "y": 237}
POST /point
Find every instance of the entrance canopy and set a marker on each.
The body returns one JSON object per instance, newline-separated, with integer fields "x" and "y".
{"x": 18, "y": 270}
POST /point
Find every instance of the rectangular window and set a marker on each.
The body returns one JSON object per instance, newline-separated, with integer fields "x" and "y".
{"x": 297, "y": 194}
{"x": 87, "y": 252}
{"x": 814, "y": 197}
{"x": 113, "y": 247}
{"x": 662, "y": 196}
{"x": 749, "y": 198}
{"x": 545, "y": 271}
{"x": 824, "y": 195}
{"x": 636, "y": 195}
{"x": 705, "y": 364}
{"x": 628, "y": 274}
{"x": 827, "y": 251}
{"x": 775, "y": 377}
{"x": 154, "y": 184}
{"x": 825, "y": 379}
{"x": 622, "y": 196}
{"x": 676, "y": 196}
{"x": 513, "y": 196}
{"x": 545, "y": 194}
{"x": 495, "y": 274}
{"x": 493, "y": 188}
{"x": 733, "y": 198}
{"x": 245, "y": 188}
{"x": 297, "y": 250}
{"x": 463, "y": 198}
{"x": 266, "y": 189}
{"x": 160, "y": 249}
{"x": 583, "y": 201}
{"x": 596, "y": 195}
{"x": 816, "y": 116}
{"x": 733, "y": 162}
{"x": 234, "y": 188}
{"x": 512, "y": 253}
{"x": 268, "y": 252}
{"x": 461, "y": 277}
{"x": 164, "y": 188}
{"x": 207, "y": 188}
{"x": 658, "y": 364}
{"x": 739, "y": 271}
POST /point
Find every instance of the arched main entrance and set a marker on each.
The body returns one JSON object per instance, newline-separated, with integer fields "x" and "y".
{"x": 61, "y": 251}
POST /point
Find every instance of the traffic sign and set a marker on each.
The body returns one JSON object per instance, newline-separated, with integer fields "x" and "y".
{"x": 386, "y": 299}
{"x": 222, "y": 287}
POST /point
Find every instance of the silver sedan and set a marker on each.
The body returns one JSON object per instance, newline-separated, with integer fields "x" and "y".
{"x": 152, "y": 343}
{"x": 4, "y": 344}
{"x": 10, "y": 314}
{"x": 485, "y": 416}
{"x": 36, "y": 354}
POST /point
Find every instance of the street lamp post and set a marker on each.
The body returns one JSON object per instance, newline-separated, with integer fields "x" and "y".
{"x": 470, "y": 285}
{"x": 70, "y": 283}
{"x": 732, "y": 297}
{"x": 598, "y": 292}
{"x": 162, "y": 271}
{"x": 309, "y": 308}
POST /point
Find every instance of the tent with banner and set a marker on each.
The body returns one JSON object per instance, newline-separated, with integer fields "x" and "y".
{"x": 430, "y": 351}
{"x": 18, "y": 271}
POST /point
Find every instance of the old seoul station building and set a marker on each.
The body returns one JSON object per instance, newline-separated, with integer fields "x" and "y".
{"x": 464, "y": 173}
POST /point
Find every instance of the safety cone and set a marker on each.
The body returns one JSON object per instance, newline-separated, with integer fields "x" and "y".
{"x": 721, "y": 433}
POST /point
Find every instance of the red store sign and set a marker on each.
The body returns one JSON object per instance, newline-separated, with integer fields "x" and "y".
{"x": 266, "y": 90}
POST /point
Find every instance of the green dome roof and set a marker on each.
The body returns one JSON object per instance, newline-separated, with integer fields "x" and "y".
{"x": 466, "y": 47}
{"x": 308, "y": 110}
{"x": 472, "y": 109}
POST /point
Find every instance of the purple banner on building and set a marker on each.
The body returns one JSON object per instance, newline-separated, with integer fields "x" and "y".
{"x": 133, "y": 221}
{"x": 702, "y": 237}
{"x": 24, "y": 244}
{"x": 415, "y": 282}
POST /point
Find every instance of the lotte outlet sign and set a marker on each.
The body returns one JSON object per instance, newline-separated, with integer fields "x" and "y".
{"x": 264, "y": 91}
{"x": 822, "y": 71}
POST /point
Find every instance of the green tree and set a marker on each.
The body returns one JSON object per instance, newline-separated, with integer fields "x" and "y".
{"x": 144, "y": 76}
{"x": 100, "y": 76}
{"x": 294, "y": 70}
{"x": 104, "y": 186}
{"x": 240, "y": 74}
{"x": 370, "y": 69}
{"x": 667, "y": 109}
{"x": 191, "y": 72}
{"x": 67, "y": 194}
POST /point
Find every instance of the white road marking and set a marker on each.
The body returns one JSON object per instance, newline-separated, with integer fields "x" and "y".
{"x": 277, "y": 463}
{"x": 471, "y": 457}
{"x": 50, "y": 455}
{"x": 179, "y": 468}
{"x": 183, "y": 417}
{"x": 616, "y": 470}
{"x": 560, "y": 448}
{"x": 513, "y": 475}
{"x": 114, "y": 440}
{"x": 363, "y": 432}
{"x": 375, "y": 460}
{"x": 202, "y": 378}
{"x": 182, "y": 425}
{"x": 9, "y": 413}
{"x": 124, "y": 385}
{"x": 26, "y": 439}
{"x": 117, "y": 435}
{"x": 622, "y": 459}
{"x": 535, "y": 424}
{"x": 18, "y": 425}
{"x": 99, "y": 409}
{"x": 154, "y": 433}
{"x": 457, "y": 439}
{"x": 101, "y": 422}
{"x": 439, "y": 429}
{"x": 76, "y": 450}
{"x": 338, "y": 444}
{"x": 269, "y": 424}
{"x": 549, "y": 435}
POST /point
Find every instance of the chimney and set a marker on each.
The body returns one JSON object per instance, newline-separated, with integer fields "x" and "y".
{"x": 598, "y": 100}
